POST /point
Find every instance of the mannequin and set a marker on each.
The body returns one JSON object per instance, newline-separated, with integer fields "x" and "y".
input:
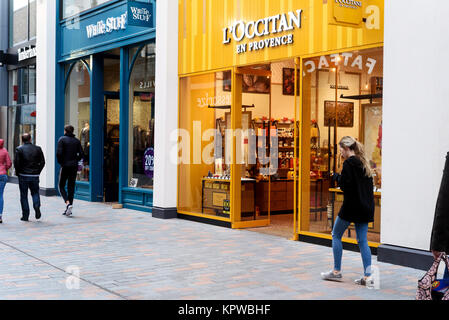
{"x": 85, "y": 141}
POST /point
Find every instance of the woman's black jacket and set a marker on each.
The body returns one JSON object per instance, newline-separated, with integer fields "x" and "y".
{"x": 358, "y": 190}
{"x": 440, "y": 232}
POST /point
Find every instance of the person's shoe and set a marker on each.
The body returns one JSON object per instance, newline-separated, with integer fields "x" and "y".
{"x": 38, "y": 213}
{"x": 1, "y": 221}
{"x": 23, "y": 219}
{"x": 65, "y": 211}
{"x": 69, "y": 210}
{"x": 368, "y": 282}
{"x": 330, "y": 275}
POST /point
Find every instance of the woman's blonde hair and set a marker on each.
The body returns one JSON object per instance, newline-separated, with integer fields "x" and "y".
{"x": 359, "y": 151}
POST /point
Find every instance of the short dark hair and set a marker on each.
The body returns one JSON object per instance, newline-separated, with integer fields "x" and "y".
{"x": 26, "y": 137}
{"x": 69, "y": 129}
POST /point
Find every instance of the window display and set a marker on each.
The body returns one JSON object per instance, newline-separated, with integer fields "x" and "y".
{"x": 204, "y": 151}
{"x": 264, "y": 137}
{"x": 340, "y": 97}
{"x": 77, "y": 111}
{"x": 141, "y": 135}
{"x": 22, "y": 108}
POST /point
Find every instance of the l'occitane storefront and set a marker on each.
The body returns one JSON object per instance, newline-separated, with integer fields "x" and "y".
{"x": 258, "y": 85}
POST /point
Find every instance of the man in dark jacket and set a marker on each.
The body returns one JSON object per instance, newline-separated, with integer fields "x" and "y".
{"x": 29, "y": 162}
{"x": 440, "y": 232}
{"x": 69, "y": 153}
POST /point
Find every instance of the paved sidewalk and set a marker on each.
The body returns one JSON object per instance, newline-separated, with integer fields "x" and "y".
{"x": 125, "y": 254}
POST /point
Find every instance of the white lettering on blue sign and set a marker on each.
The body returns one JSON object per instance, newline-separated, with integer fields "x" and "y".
{"x": 141, "y": 14}
{"x": 103, "y": 27}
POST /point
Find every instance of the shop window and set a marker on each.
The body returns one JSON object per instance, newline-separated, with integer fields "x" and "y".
{"x": 22, "y": 108}
{"x": 264, "y": 139}
{"x": 141, "y": 117}
{"x": 77, "y": 110}
{"x": 22, "y": 86}
{"x": 73, "y": 7}
{"x": 205, "y": 145}
{"x": 21, "y": 119}
{"x": 32, "y": 84}
{"x": 352, "y": 80}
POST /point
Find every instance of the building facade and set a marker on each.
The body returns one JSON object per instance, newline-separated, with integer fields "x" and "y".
{"x": 257, "y": 147}
{"x": 230, "y": 112}
{"x": 18, "y": 75}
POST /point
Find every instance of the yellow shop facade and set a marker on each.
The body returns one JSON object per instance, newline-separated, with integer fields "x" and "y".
{"x": 266, "y": 91}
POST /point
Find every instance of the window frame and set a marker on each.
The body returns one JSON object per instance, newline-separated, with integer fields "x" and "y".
{"x": 11, "y": 42}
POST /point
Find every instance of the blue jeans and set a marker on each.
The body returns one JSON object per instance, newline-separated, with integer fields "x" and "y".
{"x": 31, "y": 183}
{"x": 361, "y": 229}
{"x": 3, "y": 180}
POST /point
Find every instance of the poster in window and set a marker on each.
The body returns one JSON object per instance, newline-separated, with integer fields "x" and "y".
{"x": 345, "y": 114}
{"x": 251, "y": 83}
{"x": 288, "y": 82}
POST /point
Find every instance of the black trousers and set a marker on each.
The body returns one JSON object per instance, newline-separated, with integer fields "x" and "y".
{"x": 31, "y": 183}
{"x": 67, "y": 175}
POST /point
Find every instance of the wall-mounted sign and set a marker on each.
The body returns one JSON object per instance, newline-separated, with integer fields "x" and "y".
{"x": 140, "y": 14}
{"x": 280, "y": 23}
{"x": 106, "y": 26}
{"x": 26, "y": 53}
{"x": 347, "y": 12}
{"x": 118, "y": 22}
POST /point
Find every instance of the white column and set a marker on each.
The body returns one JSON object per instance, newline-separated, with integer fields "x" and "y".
{"x": 45, "y": 79}
{"x": 415, "y": 119}
{"x": 166, "y": 114}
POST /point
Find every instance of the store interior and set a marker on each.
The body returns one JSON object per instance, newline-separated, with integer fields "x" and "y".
{"x": 266, "y": 145}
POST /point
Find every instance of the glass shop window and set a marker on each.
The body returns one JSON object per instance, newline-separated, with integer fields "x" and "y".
{"x": 205, "y": 144}
{"x": 354, "y": 82}
{"x": 77, "y": 111}
{"x": 141, "y": 117}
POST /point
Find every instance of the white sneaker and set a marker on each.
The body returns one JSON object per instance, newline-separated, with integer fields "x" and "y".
{"x": 330, "y": 275}
{"x": 368, "y": 282}
{"x": 69, "y": 210}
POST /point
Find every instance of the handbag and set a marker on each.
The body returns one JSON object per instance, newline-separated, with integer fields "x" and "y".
{"x": 428, "y": 284}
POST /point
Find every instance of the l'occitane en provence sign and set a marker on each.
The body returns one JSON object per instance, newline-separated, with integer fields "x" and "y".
{"x": 277, "y": 24}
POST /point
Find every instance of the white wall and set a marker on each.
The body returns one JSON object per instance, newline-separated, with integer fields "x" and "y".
{"x": 416, "y": 118}
{"x": 166, "y": 112}
{"x": 45, "y": 81}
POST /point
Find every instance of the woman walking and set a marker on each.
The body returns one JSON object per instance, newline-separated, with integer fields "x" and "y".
{"x": 5, "y": 164}
{"x": 356, "y": 182}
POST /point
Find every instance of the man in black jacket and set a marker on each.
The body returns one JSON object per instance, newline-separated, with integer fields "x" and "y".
{"x": 440, "y": 232}
{"x": 69, "y": 153}
{"x": 29, "y": 162}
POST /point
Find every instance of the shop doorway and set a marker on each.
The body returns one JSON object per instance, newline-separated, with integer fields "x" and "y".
{"x": 111, "y": 126}
{"x": 111, "y": 140}
{"x": 268, "y": 102}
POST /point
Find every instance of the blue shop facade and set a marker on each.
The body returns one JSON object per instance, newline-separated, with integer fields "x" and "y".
{"x": 105, "y": 88}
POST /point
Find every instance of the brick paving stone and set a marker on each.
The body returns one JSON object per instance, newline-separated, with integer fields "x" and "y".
{"x": 125, "y": 254}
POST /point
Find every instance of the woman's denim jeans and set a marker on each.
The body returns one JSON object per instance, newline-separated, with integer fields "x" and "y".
{"x": 361, "y": 229}
{"x": 3, "y": 180}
